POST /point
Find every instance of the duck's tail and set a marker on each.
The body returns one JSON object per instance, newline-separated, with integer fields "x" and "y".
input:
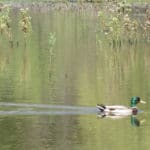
{"x": 101, "y": 107}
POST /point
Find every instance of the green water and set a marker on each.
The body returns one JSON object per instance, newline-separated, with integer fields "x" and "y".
{"x": 81, "y": 73}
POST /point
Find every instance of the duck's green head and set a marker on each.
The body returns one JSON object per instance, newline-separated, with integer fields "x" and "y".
{"x": 135, "y": 100}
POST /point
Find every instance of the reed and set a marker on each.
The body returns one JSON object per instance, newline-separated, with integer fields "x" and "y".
{"x": 5, "y": 23}
{"x": 25, "y": 22}
{"x": 51, "y": 43}
{"x": 6, "y": 27}
{"x": 118, "y": 25}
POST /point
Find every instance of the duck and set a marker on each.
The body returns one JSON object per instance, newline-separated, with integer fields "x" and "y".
{"x": 119, "y": 111}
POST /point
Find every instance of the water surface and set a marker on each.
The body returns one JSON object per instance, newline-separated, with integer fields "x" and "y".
{"x": 51, "y": 105}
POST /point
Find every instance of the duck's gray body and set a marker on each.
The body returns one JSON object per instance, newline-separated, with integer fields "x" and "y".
{"x": 116, "y": 110}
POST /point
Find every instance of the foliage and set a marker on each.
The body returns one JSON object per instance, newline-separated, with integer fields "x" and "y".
{"x": 118, "y": 25}
{"x": 5, "y": 27}
{"x": 51, "y": 42}
{"x": 25, "y": 22}
{"x": 146, "y": 25}
{"x": 5, "y": 22}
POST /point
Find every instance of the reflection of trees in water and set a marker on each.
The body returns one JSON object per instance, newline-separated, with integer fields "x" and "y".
{"x": 124, "y": 68}
{"x": 7, "y": 72}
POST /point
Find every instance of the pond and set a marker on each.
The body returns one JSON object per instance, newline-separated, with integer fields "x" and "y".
{"x": 50, "y": 103}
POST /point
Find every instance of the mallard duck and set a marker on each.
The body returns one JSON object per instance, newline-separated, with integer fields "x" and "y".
{"x": 119, "y": 111}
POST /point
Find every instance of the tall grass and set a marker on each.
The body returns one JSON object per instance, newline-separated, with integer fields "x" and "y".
{"x": 118, "y": 25}
{"x": 6, "y": 26}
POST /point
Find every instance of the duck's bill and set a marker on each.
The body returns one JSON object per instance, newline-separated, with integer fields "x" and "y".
{"x": 143, "y": 102}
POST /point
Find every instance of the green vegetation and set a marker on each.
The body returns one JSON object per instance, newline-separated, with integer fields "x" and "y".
{"x": 25, "y": 22}
{"x": 51, "y": 42}
{"x": 5, "y": 20}
{"x": 6, "y": 27}
{"x": 116, "y": 24}
{"x": 119, "y": 26}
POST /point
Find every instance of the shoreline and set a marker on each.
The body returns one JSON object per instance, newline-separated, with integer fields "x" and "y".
{"x": 137, "y": 8}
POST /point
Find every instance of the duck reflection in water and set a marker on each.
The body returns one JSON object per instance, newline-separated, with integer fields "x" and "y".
{"x": 135, "y": 122}
{"x": 119, "y": 111}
